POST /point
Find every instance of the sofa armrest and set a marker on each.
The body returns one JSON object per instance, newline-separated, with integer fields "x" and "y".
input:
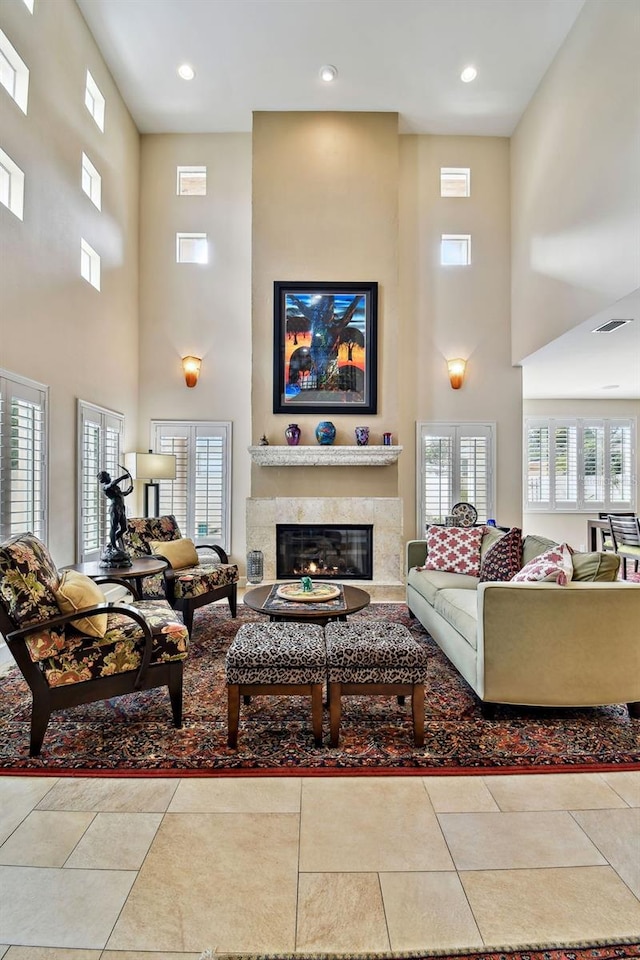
{"x": 543, "y": 644}
{"x": 416, "y": 554}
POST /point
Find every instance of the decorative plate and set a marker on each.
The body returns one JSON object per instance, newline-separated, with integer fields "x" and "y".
{"x": 320, "y": 591}
{"x": 464, "y": 514}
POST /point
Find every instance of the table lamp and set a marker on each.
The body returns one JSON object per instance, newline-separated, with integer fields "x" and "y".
{"x": 151, "y": 467}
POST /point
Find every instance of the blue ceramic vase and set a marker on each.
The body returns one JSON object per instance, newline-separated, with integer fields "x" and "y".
{"x": 325, "y": 432}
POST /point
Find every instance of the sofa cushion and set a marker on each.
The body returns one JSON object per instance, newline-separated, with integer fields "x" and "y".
{"x": 534, "y": 545}
{"x": 428, "y": 582}
{"x": 596, "y": 566}
{"x": 456, "y": 549}
{"x": 504, "y": 559}
{"x": 77, "y": 591}
{"x": 460, "y": 609}
{"x": 555, "y": 564}
{"x": 490, "y": 537}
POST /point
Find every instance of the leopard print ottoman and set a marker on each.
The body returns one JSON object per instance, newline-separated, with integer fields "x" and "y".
{"x": 374, "y": 657}
{"x": 276, "y": 659}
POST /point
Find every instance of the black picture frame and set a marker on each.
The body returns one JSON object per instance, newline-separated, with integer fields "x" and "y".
{"x": 325, "y": 347}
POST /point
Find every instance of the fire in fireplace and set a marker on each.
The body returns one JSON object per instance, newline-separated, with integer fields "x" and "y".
{"x": 325, "y": 551}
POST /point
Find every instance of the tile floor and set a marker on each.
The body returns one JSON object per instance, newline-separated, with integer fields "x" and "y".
{"x": 161, "y": 869}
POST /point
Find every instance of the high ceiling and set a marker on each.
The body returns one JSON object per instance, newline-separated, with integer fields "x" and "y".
{"x": 391, "y": 55}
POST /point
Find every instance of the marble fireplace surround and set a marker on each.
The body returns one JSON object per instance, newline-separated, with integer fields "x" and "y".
{"x": 383, "y": 513}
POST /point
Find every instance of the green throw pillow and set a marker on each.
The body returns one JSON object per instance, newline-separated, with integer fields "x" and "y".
{"x": 596, "y": 566}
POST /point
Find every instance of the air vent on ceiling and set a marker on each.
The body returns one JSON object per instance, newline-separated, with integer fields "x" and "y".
{"x": 610, "y": 326}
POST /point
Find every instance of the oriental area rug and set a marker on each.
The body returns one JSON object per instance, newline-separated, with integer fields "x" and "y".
{"x": 133, "y": 735}
{"x": 613, "y": 951}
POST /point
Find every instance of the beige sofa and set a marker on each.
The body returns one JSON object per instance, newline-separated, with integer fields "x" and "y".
{"x": 533, "y": 643}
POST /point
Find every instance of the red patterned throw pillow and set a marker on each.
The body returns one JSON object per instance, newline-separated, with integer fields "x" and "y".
{"x": 504, "y": 559}
{"x": 454, "y": 549}
{"x": 555, "y": 564}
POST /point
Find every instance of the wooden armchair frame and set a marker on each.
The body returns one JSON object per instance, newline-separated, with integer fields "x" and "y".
{"x": 46, "y": 699}
{"x": 187, "y": 605}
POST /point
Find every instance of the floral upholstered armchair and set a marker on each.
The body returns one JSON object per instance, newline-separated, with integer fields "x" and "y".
{"x": 72, "y": 647}
{"x": 192, "y": 578}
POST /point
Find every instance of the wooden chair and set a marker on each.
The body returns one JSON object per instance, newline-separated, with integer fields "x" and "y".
{"x": 144, "y": 643}
{"x": 186, "y": 588}
{"x": 625, "y": 536}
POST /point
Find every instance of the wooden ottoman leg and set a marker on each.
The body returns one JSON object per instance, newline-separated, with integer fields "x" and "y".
{"x": 335, "y": 706}
{"x": 316, "y": 713}
{"x": 233, "y": 714}
{"x": 417, "y": 706}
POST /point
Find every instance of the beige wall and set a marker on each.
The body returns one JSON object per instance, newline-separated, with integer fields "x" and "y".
{"x": 572, "y": 527}
{"x": 325, "y": 207}
{"x": 201, "y": 309}
{"x": 450, "y": 312}
{"x": 575, "y": 187}
{"x": 54, "y": 326}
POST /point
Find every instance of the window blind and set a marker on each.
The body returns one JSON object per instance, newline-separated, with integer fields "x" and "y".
{"x": 23, "y": 456}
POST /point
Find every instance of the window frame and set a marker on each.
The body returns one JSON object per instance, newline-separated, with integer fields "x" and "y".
{"x": 184, "y": 171}
{"x": 456, "y": 174}
{"x": 12, "y": 385}
{"x": 457, "y": 430}
{"x": 94, "y": 101}
{"x": 105, "y": 419}
{"x": 192, "y": 236}
{"x": 94, "y": 179}
{"x": 449, "y": 237}
{"x": 15, "y": 185}
{"x": 93, "y": 277}
{"x": 216, "y": 428}
{"x": 580, "y": 504}
{"x": 19, "y": 90}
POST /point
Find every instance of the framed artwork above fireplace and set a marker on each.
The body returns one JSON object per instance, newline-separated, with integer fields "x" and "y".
{"x": 325, "y": 347}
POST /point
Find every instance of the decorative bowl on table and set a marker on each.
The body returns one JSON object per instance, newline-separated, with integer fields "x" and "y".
{"x": 319, "y": 591}
{"x": 464, "y": 514}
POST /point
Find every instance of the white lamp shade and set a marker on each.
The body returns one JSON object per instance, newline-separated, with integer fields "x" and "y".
{"x": 151, "y": 466}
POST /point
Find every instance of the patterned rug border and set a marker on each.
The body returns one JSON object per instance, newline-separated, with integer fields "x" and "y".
{"x": 321, "y": 772}
{"x": 618, "y": 949}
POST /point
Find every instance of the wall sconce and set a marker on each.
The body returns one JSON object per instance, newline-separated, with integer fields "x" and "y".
{"x": 456, "y": 369}
{"x": 151, "y": 467}
{"x": 191, "y": 367}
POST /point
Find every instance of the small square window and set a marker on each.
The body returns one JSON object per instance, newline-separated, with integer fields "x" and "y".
{"x": 192, "y": 181}
{"x": 89, "y": 264}
{"x": 455, "y": 250}
{"x": 91, "y": 181}
{"x": 455, "y": 182}
{"x": 94, "y": 101}
{"x": 11, "y": 185}
{"x": 14, "y": 73}
{"x": 192, "y": 248}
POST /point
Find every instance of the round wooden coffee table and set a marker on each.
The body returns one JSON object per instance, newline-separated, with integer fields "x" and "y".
{"x": 354, "y": 599}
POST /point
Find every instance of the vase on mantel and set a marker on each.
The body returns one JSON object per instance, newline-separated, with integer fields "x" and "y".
{"x": 325, "y": 432}
{"x": 292, "y": 433}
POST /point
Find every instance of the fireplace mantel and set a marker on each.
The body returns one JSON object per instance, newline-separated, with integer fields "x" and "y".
{"x": 324, "y": 456}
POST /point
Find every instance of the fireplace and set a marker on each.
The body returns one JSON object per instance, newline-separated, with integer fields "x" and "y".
{"x": 327, "y": 551}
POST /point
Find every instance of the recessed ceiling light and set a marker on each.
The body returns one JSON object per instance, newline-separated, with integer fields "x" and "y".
{"x": 328, "y": 73}
{"x": 468, "y": 74}
{"x": 186, "y": 71}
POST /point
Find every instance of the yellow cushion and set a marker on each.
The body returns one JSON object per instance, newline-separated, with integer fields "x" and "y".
{"x": 77, "y": 591}
{"x": 180, "y": 553}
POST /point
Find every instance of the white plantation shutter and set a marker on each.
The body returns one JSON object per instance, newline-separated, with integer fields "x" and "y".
{"x": 100, "y": 438}
{"x": 200, "y": 496}
{"x": 538, "y": 464}
{"x": 455, "y": 464}
{"x": 23, "y": 456}
{"x": 565, "y": 459}
{"x": 579, "y": 464}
